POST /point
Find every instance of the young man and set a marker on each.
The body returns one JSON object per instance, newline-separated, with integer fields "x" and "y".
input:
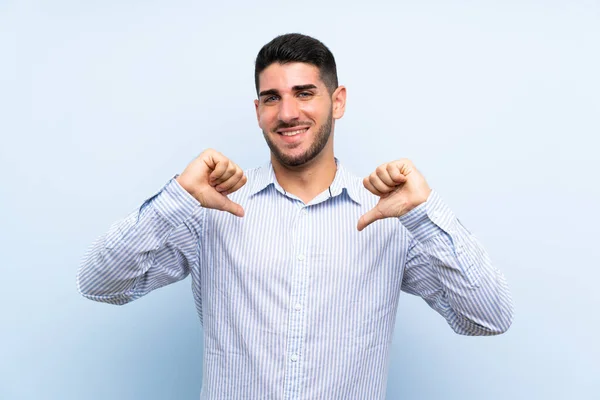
{"x": 297, "y": 299}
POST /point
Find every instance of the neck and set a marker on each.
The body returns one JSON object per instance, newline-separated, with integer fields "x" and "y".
{"x": 308, "y": 180}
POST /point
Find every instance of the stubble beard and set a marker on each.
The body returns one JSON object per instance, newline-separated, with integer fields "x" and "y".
{"x": 313, "y": 151}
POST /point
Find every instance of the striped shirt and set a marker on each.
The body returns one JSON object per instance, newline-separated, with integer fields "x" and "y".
{"x": 294, "y": 301}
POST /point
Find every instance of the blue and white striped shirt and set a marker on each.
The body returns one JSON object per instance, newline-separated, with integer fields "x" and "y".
{"x": 294, "y": 301}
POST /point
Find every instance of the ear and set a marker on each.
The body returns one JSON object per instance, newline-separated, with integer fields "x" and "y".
{"x": 256, "y": 109}
{"x": 338, "y": 99}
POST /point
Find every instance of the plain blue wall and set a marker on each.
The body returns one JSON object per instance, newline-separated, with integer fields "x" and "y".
{"x": 497, "y": 103}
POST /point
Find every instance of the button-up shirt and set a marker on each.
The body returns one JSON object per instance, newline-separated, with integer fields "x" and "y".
{"x": 295, "y": 302}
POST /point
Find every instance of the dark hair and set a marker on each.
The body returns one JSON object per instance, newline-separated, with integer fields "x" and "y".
{"x": 295, "y": 47}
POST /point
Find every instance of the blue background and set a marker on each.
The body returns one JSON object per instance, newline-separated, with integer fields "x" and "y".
{"x": 497, "y": 103}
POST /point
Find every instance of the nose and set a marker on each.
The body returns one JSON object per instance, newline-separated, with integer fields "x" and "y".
{"x": 288, "y": 109}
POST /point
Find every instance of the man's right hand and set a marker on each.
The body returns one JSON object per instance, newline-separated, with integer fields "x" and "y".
{"x": 210, "y": 178}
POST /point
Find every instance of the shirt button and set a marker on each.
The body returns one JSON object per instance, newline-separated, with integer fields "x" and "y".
{"x": 301, "y": 257}
{"x": 298, "y": 307}
{"x": 435, "y": 215}
{"x": 294, "y": 357}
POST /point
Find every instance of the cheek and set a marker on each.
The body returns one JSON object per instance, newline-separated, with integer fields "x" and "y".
{"x": 263, "y": 123}
{"x": 314, "y": 111}
{"x": 266, "y": 119}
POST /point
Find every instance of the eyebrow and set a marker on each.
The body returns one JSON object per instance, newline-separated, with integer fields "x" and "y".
{"x": 268, "y": 92}
{"x": 296, "y": 88}
{"x": 299, "y": 88}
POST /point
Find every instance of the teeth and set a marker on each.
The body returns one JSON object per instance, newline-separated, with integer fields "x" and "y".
{"x": 292, "y": 133}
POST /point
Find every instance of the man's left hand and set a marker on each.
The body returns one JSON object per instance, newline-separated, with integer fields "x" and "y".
{"x": 400, "y": 186}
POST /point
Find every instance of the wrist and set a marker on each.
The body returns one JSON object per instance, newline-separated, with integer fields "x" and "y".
{"x": 419, "y": 200}
{"x": 185, "y": 184}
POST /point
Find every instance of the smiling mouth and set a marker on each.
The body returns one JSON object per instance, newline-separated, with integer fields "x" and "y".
{"x": 293, "y": 133}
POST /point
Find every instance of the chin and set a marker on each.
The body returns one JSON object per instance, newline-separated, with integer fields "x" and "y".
{"x": 295, "y": 160}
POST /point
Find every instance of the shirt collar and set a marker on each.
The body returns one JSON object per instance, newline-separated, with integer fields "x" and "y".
{"x": 343, "y": 180}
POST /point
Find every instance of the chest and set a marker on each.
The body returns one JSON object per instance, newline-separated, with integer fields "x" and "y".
{"x": 315, "y": 245}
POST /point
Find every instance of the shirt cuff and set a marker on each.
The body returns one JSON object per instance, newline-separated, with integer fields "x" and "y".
{"x": 174, "y": 203}
{"x": 429, "y": 219}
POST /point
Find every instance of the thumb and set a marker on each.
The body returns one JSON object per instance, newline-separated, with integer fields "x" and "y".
{"x": 233, "y": 208}
{"x": 368, "y": 218}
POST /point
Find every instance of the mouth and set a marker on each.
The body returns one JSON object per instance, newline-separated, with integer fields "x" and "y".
{"x": 292, "y": 131}
{"x": 291, "y": 135}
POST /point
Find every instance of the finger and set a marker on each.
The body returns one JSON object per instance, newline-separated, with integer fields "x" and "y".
{"x": 405, "y": 168}
{"x": 368, "y": 218}
{"x": 396, "y": 174}
{"x": 380, "y": 185}
{"x": 221, "y": 167}
{"x": 229, "y": 178}
{"x": 230, "y": 183}
{"x": 233, "y": 208}
{"x": 369, "y": 186}
{"x": 383, "y": 174}
{"x": 237, "y": 186}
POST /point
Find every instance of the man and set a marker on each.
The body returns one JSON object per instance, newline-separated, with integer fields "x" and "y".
{"x": 296, "y": 290}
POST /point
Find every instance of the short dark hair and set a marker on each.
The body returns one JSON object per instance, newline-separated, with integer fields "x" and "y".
{"x": 295, "y": 47}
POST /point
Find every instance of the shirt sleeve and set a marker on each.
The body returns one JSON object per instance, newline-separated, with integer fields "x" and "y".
{"x": 448, "y": 267}
{"x": 154, "y": 246}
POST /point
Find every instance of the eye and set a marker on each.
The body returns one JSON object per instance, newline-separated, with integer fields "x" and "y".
{"x": 270, "y": 99}
{"x": 305, "y": 95}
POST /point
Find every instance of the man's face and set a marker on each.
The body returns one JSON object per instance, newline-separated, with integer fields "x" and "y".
{"x": 295, "y": 111}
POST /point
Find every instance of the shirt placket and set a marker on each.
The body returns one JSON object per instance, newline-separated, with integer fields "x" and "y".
{"x": 297, "y": 306}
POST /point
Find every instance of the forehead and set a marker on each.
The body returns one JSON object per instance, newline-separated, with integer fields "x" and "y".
{"x": 285, "y": 76}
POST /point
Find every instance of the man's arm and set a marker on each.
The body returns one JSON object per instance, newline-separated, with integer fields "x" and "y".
{"x": 445, "y": 264}
{"x": 159, "y": 243}
{"x": 452, "y": 272}
{"x": 153, "y": 247}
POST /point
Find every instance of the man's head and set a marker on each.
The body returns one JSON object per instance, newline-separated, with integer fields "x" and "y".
{"x": 298, "y": 97}
{"x": 295, "y": 47}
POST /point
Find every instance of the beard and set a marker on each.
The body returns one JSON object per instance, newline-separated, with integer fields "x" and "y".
{"x": 319, "y": 142}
